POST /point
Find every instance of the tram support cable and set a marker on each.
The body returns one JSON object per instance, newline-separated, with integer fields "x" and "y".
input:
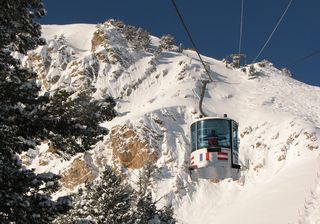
{"x": 241, "y": 27}
{"x": 306, "y": 57}
{"x": 204, "y": 82}
{"x": 274, "y": 30}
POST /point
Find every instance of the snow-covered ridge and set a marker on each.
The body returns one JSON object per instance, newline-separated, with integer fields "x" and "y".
{"x": 279, "y": 120}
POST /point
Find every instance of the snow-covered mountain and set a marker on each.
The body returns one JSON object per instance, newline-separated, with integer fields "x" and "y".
{"x": 157, "y": 94}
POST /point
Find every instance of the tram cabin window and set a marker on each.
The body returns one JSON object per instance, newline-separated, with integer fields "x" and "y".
{"x": 213, "y": 133}
{"x": 193, "y": 137}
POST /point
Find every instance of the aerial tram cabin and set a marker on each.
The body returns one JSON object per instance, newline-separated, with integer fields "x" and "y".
{"x": 215, "y": 148}
{"x": 214, "y": 140}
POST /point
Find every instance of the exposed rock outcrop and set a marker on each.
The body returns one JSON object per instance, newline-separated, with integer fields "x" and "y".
{"x": 78, "y": 173}
{"x": 134, "y": 148}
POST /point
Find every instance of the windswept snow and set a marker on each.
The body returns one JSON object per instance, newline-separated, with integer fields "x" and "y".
{"x": 78, "y": 35}
{"x": 279, "y": 120}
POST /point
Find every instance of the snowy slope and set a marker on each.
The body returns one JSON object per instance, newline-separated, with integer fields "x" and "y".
{"x": 279, "y": 120}
{"x": 78, "y": 35}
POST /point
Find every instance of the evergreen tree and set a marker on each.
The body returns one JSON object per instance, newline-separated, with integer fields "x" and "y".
{"x": 144, "y": 208}
{"x": 252, "y": 70}
{"x": 24, "y": 196}
{"x": 18, "y": 30}
{"x": 137, "y": 37}
{"x": 71, "y": 121}
{"x": 71, "y": 124}
{"x": 107, "y": 201}
{"x": 167, "y": 42}
{"x": 111, "y": 200}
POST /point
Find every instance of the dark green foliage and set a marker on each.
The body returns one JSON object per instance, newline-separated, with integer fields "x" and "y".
{"x": 252, "y": 70}
{"x": 24, "y": 196}
{"x": 144, "y": 208}
{"x": 71, "y": 122}
{"x": 107, "y": 201}
{"x": 165, "y": 215}
{"x": 111, "y": 200}
{"x": 145, "y": 178}
{"x": 18, "y": 31}
{"x": 26, "y": 119}
{"x": 137, "y": 37}
{"x": 167, "y": 42}
{"x": 18, "y": 92}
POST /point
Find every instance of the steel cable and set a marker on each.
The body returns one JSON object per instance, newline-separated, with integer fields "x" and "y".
{"x": 241, "y": 26}
{"x": 274, "y": 30}
{"x": 204, "y": 82}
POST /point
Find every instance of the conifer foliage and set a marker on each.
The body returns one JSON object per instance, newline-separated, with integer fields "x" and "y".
{"x": 107, "y": 201}
{"x": 111, "y": 200}
{"x": 26, "y": 119}
{"x": 71, "y": 120}
{"x": 136, "y": 36}
{"x": 24, "y": 196}
{"x": 167, "y": 42}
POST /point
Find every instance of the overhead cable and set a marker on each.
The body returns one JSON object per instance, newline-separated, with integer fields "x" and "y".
{"x": 241, "y": 26}
{"x": 274, "y": 30}
{"x": 191, "y": 39}
{"x": 204, "y": 82}
{"x": 312, "y": 54}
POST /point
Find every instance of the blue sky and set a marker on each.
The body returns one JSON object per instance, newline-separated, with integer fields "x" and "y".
{"x": 215, "y": 26}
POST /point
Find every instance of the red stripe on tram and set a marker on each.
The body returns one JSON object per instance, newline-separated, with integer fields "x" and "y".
{"x": 207, "y": 156}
